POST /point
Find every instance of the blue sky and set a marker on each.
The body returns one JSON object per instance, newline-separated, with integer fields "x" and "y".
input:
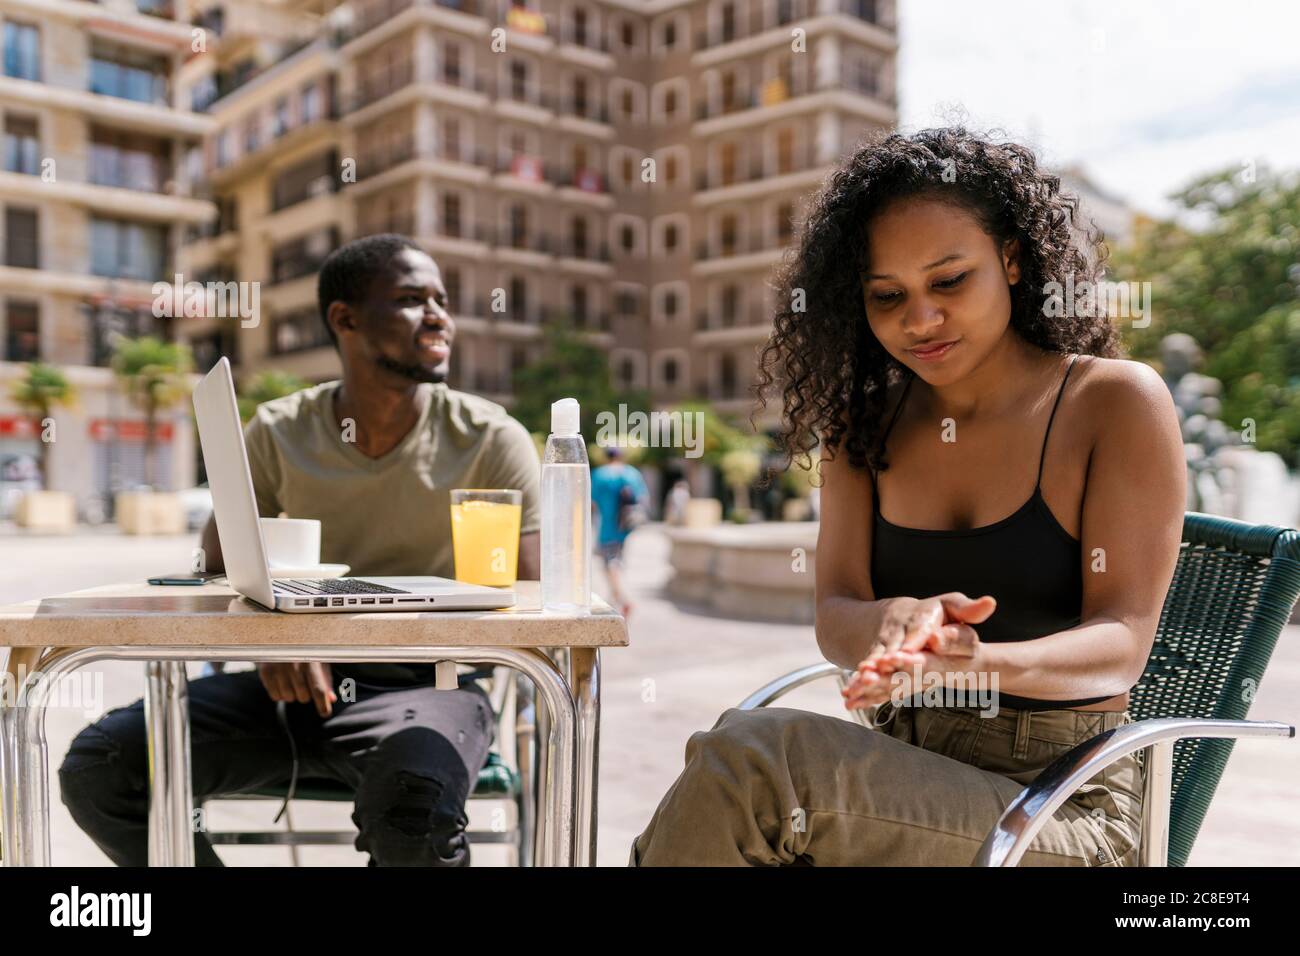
{"x": 1143, "y": 95}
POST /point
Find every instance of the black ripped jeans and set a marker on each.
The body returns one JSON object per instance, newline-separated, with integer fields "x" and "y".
{"x": 411, "y": 755}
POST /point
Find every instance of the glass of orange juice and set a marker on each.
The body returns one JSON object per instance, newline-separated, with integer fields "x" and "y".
{"x": 485, "y": 534}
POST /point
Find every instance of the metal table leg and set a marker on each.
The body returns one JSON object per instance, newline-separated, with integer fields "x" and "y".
{"x": 171, "y": 801}
{"x": 558, "y": 780}
{"x": 584, "y": 681}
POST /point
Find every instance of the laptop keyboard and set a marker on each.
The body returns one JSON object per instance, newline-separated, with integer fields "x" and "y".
{"x": 333, "y": 586}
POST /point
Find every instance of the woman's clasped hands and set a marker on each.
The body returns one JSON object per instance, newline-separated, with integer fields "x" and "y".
{"x": 919, "y": 637}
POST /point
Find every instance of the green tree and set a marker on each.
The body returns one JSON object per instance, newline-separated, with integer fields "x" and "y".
{"x": 38, "y": 392}
{"x": 265, "y": 386}
{"x": 569, "y": 367}
{"x": 1231, "y": 281}
{"x": 153, "y": 374}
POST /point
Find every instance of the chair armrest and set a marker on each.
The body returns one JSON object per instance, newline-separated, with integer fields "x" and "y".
{"x": 788, "y": 682}
{"x": 1030, "y": 811}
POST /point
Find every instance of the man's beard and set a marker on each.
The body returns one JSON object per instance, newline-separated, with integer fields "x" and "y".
{"x": 414, "y": 371}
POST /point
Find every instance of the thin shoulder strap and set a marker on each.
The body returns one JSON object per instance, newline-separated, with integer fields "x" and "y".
{"x": 875, "y": 493}
{"x": 897, "y": 408}
{"x": 1059, "y": 393}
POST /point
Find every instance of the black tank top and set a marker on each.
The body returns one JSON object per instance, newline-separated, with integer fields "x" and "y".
{"x": 1027, "y": 561}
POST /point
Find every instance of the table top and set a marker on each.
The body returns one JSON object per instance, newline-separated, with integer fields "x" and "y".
{"x": 213, "y": 614}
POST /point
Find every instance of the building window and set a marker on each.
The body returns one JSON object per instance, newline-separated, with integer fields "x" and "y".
{"x": 578, "y": 237}
{"x": 628, "y": 106}
{"x": 785, "y": 151}
{"x": 627, "y": 372}
{"x": 451, "y": 64}
{"x": 727, "y": 376}
{"x": 518, "y": 80}
{"x": 578, "y": 306}
{"x": 22, "y": 238}
{"x": 670, "y": 237}
{"x": 628, "y": 238}
{"x": 22, "y": 332}
{"x": 451, "y": 143}
{"x": 670, "y": 305}
{"x": 728, "y": 22}
{"x": 730, "y": 99}
{"x": 785, "y": 222}
{"x": 302, "y": 256}
{"x": 518, "y": 305}
{"x": 629, "y": 34}
{"x": 128, "y": 74}
{"x": 315, "y": 177}
{"x": 22, "y": 145}
{"x": 580, "y": 101}
{"x": 670, "y": 104}
{"x": 670, "y": 34}
{"x": 628, "y": 303}
{"x": 452, "y": 283}
{"x": 22, "y": 51}
{"x": 280, "y": 117}
{"x": 670, "y": 169}
{"x": 629, "y": 171}
{"x": 299, "y": 331}
{"x": 669, "y": 369}
{"x": 518, "y": 227}
{"x": 310, "y": 103}
{"x": 728, "y": 164}
{"x": 127, "y": 160}
{"x": 451, "y": 221}
{"x": 252, "y": 134}
{"x": 730, "y": 306}
{"x": 580, "y": 26}
{"x": 127, "y": 250}
{"x": 729, "y": 235}
{"x": 862, "y": 9}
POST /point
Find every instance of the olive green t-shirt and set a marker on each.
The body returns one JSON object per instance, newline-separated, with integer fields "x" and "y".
{"x": 387, "y": 515}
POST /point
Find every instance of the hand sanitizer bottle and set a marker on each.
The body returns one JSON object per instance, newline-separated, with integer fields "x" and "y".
{"x": 566, "y": 514}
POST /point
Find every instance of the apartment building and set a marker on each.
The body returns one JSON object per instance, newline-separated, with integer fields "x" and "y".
{"x": 100, "y": 161}
{"x": 637, "y": 167}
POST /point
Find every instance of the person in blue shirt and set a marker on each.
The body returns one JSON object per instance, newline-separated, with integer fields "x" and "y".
{"x": 618, "y": 493}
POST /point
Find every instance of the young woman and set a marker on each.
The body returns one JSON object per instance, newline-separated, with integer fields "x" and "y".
{"x": 1016, "y": 540}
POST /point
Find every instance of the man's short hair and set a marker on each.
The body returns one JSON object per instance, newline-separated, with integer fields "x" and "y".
{"x": 613, "y": 452}
{"x": 347, "y": 272}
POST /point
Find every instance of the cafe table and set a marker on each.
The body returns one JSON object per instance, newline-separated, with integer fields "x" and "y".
{"x": 165, "y": 626}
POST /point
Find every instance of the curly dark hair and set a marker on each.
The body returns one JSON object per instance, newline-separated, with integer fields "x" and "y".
{"x": 831, "y": 370}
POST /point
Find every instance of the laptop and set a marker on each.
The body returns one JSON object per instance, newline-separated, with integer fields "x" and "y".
{"x": 244, "y": 552}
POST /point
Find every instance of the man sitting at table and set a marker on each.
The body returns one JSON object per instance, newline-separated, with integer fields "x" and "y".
{"x": 374, "y": 457}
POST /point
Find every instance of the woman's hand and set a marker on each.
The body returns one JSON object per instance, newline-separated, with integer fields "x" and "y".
{"x": 933, "y": 634}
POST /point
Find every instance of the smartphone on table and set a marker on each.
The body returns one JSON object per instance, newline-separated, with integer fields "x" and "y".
{"x": 186, "y": 577}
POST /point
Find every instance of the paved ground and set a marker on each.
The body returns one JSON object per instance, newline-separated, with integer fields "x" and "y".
{"x": 680, "y": 672}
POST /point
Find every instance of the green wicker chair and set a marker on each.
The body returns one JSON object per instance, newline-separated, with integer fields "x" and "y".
{"x": 513, "y": 704}
{"x": 1232, "y": 592}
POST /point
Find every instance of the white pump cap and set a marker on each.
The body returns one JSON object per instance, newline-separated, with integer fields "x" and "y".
{"x": 564, "y": 417}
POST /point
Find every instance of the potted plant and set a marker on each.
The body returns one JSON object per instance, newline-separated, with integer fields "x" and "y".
{"x": 153, "y": 373}
{"x": 42, "y": 389}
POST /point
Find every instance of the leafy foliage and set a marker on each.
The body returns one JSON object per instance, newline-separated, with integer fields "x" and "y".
{"x": 1234, "y": 286}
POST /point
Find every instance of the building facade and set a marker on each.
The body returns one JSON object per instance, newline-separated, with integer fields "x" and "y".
{"x": 636, "y": 167}
{"x": 97, "y": 191}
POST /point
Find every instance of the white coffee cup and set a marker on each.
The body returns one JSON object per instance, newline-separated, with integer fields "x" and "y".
{"x": 292, "y": 542}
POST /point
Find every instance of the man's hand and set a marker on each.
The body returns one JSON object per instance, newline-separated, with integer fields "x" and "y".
{"x": 301, "y": 681}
